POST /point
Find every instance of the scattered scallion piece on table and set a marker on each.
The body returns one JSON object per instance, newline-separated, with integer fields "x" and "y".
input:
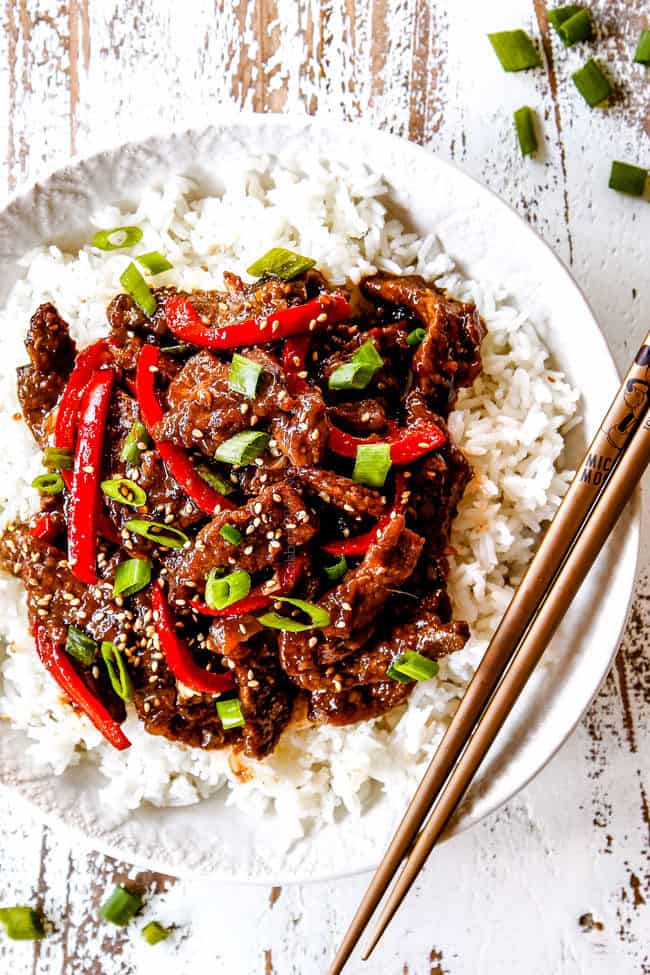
{"x": 131, "y": 576}
{"x": 136, "y": 441}
{"x": 558, "y": 16}
{"x": 372, "y": 464}
{"x": 48, "y": 483}
{"x": 642, "y": 55}
{"x": 525, "y": 126}
{"x": 515, "y": 50}
{"x": 336, "y": 571}
{"x": 416, "y": 336}
{"x": 117, "y": 238}
{"x": 411, "y": 666}
{"x": 626, "y": 178}
{"x": 318, "y": 617}
{"x": 592, "y": 84}
{"x": 578, "y": 27}
{"x": 244, "y": 375}
{"x": 135, "y": 285}
{"x": 121, "y": 906}
{"x": 281, "y": 263}
{"x": 222, "y": 591}
{"x": 124, "y": 491}
{"x": 154, "y": 262}
{"x": 22, "y": 923}
{"x": 218, "y": 483}
{"x": 154, "y": 932}
{"x": 358, "y": 372}
{"x": 243, "y": 448}
{"x": 117, "y": 672}
{"x": 156, "y": 532}
{"x": 56, "y": 459}
{"x": 230, "y": 714}
{"x": 231, "y": 534}
{"x": 80, "y": 646}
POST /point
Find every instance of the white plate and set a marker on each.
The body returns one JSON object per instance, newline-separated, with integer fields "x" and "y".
{"x": 488, "y": 240}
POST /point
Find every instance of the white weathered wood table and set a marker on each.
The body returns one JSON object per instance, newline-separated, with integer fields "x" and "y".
{"x": 558, "y": 882}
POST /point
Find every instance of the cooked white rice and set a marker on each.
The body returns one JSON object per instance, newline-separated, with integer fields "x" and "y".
{"x": 510, "y": 425}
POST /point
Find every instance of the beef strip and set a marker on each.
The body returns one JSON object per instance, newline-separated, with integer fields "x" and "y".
{"x": 340, "y": 492}
{"x": 52, "y": 353}
{"x": 387, "y": 383}
{"x": 363, "y": 417}
{"x": 357, "y": 704}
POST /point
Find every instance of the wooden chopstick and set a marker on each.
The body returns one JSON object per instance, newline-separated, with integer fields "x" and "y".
{"x": 596, "y": 470}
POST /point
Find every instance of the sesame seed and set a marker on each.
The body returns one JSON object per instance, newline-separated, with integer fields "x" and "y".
{"x": 88, "y": 469}
{"x": 248, "y": 550}
{"x": 322, "y": 317}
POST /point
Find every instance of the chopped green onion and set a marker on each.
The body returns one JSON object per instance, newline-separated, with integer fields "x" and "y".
{"x": 243, "y": 448}
{"x": 223, "y": 591}
{"x": 135, "y": 285}
{"x": 80, "y": 646}
{"x": 154, "y": 932}
{"x": 336, "y": 571}
{"x": 558, "y": 16}
{"x": 131, "y": 576}
{"x": 117, "y": 672}
{"x": 628, "y": 179}
{"x": 22, "y": 923}
{"x": 416, "y": 336}
{"x": 592, "y": 84}
{"x": 372, "y": 464}
{"x": 525, "y": 126}
{"x": 121, "y": 906}
{"x": 642, "y": 55}
{"x": 281, "y": 263}
{"x": 155, "y": 532}
{"x": 515, "y": 50}
{"x": 319, "y": 617}
{"x": 230, "y": 713}
{"x": 412, "y": 666}
{"x": 48, "y": 483}
{"x": 244, "y": 375}
{"x": 58, "y": 460}
{"x": 154, "y": 262}
{"x": 178, "y": 348}
{"x": 118, "y": 237}
{"x": 231, "y": 534}
{"x": 578, "y": 27}
{"x": 358, "y": 372}
{"x": 136, "y": 441}
{"x": 125, "y": 491}
{"x": 218, "y": 483}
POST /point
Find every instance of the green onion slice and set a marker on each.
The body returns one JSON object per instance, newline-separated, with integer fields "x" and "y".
{"x": 281, "y": 263}
{"x": 80, "y": 646}
{"x": 154, "y": 262}
{"x": 131, "y": 576}
{"x": 230, "y": 713}
{"x": 557, "y": 16}
{"x": 163, "y": 535}
{"x": 124, "y": 491}
{"x": 416, "y": 336}
{"x": 22, "y": 923}
{"x": 515, "y": 50}
{"x": 135, "y": 285}
{"x": 121, "y": 906}
{"x": 592, "y": 84}
{"x": 57, "y": 459}
{"x": 244, "y": 375}
{"x": 137, "y": 440}
{"x": 358, "y": 372}
{"x": 118, "y": 237}
{"x": 243, "y": 448}
{"x": 336, "y": 571}
{"x": 154, "y": 932}
{"x": 48, "y": 483}
{"x": 372, "y": 464}
{"x": 319, "y": 617}
{"x": 629, "y": 179}
{"x": 218, "y": 483}
{"x": 178, "y": 348}
{"x": 231, "y": 534}
{"x": 222, "y": 591}
{"x": 525, "y": 126}
{"x": 578, "y": 27}
{"x": 117, "y": 672}
{"x": 642, "y": 55}
{"x": 412, "y": 666}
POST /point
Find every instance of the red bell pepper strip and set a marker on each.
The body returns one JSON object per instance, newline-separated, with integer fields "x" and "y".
{"x": 259, "y": 597}
{"x": 360, "y": 544}
{"x": 178, "y": 462}
{"x": 84, "y": 505}
{"x": 44, "y": 528}
{"x": 105, "y": 526}
{"x": 88, "y": 362}
{"x": 179, "y": 657}
{"x": 294, "y": 353}
{"x": 56, "y": 660}
{"x": 406, "y": 445}
{"x": 185, "y": 324}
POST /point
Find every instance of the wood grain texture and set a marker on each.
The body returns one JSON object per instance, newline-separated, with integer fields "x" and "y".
{"x": 559, "y": 881}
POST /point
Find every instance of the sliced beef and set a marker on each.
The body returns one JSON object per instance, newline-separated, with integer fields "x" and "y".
{"x": 301, "y": 433}
{"x": 266, "y": 697}
{"x": 340, "y": 492}
{"x": 358, "y": 704}
{"x": 363, "y": 417}
{"x": 387, "y": 383}
{"x": 52, "y": 353}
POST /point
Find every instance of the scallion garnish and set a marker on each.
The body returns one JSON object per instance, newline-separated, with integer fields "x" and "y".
{"x": 281, "y": 263}
{"x": 336, "y": 571}
{"x": 121, "y": 906}
{"x": 218, "y": 483}
{"x": 80, "y": 646}
{"x": 244, "y": 375}
{"x": 154, "y": 932}
{"x": 131, "y": 576}
{"x": 48, "y": 483}
{"x": 525, "y": 126}
{"x": 22, "y": 923}
{"x": 155, "y": 532}
{"x": 642, "y": 55}
{"x": 231, "y": 534}
{"x": 515, "y": 50}
{"x": 358, "y": 372}
{"x": 243, "y": 448}
{"x": 124, "y": 491}
{"x": 412, "y": 666}
{"x": 177, "y": 348}
{"x": 318, "y": 616}
{"x": 136, "y": 441}
{"x": 222, "y": 591}
{"x": 118, "y": 237}
{"x": 416, "y": 336}
{"x": 135, "y": 285}
{"x": 372, "y": 464}
{"x": 578, "y": 27}
{"x": 230, "y": 714}
{"x": 117, "y": 672}
{"x": 592, "y": 84}
{"x": 557, "y": 16}
{"x": 626, "y": 178}
{"x": 56, "y": 459}
{"x": 154, "y": 262}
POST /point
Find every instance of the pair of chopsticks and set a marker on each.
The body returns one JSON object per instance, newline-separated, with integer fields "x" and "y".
{"x": 610, "y": 470}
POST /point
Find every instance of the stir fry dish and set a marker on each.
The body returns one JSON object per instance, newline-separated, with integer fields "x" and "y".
{"x": 246, "y": 501}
